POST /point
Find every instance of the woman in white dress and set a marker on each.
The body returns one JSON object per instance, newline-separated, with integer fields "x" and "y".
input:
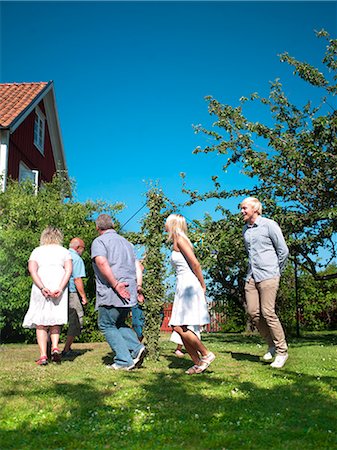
{"x": 189, "y": 306}
{"x": 50, "y": 267}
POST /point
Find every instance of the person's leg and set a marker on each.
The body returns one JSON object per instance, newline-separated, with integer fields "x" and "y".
{"x": 42, "y": 339}
{"x": 268, "y": 291}
{"x": 196, "y": 330}
{"x": 68, "y": 344}
{"x": 75, "y": 318}
{"x": 129, "y": 335}
{"x": 253, "y": 300}
{"x": 138, "y": 321}
{"x": 175, "y": 337}
{"x": 54, "y": 336}
{"x": 192, "y": 343}
{"x": 107, "y": 323}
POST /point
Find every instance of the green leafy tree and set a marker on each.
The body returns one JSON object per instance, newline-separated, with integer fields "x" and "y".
{"x": 292, "y": 159}
{"x": 23, "y": 216}
{"x": 154, "y": 263}
{"x": 318, "y": 301}
{"x": 220, "y": 249}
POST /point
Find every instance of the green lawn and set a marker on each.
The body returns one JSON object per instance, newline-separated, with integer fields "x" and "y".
{"x": 239, "y": 403}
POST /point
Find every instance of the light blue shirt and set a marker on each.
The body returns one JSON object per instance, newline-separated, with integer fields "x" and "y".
{"x": 266, "y": 248}
{"x": 78, "y": 269}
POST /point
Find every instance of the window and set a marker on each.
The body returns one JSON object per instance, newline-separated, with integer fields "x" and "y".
{"x": 39, "y": 126}
{"x": 25, "y": 173}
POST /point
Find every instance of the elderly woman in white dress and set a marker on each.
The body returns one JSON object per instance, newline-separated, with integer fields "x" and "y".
{"x": 189, "y": 306}
{"x": 50, "y": 267}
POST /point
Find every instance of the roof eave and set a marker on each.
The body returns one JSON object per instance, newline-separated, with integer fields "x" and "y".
{"x": 25, "y": 113}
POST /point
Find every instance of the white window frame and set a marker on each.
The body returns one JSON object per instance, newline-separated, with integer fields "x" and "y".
{"x": 39, "y": 130}
{"x": 25, "y": 173}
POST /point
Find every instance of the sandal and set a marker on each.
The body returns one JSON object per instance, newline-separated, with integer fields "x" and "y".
{"x": 196, "y": 369}
{"x": 207, "y": 359}
{"x": 43, "y": 361}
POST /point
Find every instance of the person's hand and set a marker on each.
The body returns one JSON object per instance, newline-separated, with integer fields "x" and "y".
{"x": 84, "y": 301}
{"x": 57, "y": 293}
{"x": 122, "y": 291}
{"x": 46, "y": 292}
{"x": 140, "y": 295}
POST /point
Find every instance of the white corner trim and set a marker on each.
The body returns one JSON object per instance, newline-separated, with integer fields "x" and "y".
{"x": 55, "y": 130}
{"x": 4, "y": 146}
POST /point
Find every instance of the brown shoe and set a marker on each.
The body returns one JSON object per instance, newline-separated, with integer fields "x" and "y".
{"x": 56, "y": 355}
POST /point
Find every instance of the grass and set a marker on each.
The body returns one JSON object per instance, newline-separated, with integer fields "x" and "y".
{"x": 239, "y": 403}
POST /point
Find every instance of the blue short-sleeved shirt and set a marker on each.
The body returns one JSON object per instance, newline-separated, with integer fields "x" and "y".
{"x": 122, "y": 260}
{"x": 78, "y": 269}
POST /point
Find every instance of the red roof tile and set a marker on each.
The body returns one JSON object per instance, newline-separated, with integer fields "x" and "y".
{"x": 14, "y": 99}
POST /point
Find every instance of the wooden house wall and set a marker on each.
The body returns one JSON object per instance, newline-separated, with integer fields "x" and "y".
{"x": 22, "y": 148}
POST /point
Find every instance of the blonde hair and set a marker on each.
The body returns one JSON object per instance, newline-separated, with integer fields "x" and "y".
{"x": 256, "y": 204}
{"x": 176, "y": 226}
{"x": 51, "y": 235}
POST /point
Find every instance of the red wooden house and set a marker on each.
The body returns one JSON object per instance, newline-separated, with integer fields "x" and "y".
{"x": 30, "y": 136}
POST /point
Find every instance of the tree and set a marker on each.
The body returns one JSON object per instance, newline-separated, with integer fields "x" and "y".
{"x": 23, "y": 216}
{"x": 220, "y": 249}
{"x": 154, "y": 275}
{"x": 293, "y": 159}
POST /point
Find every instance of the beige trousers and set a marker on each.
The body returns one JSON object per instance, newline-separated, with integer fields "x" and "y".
{"x": 260, "y": 298}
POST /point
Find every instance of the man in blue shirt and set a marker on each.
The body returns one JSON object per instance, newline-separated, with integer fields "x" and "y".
{"x": 118, "y": 285}
{"x": 267, "y": 254}
{"x": 77, "y": 296}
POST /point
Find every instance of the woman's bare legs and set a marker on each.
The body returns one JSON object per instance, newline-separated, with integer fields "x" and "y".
{"x": 54, "y": 336}
{"x": 42, "y": 339}
{"x": 192, "y": 343}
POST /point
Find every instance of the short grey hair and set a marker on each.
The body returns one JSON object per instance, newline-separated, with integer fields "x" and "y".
{"x": 104, "y": 222}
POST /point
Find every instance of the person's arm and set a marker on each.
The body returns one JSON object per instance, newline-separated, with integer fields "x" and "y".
{"x": 33, "y": 268}
{"x": 105, "y": 269}
{"x": 139, "y": 274}
{"x": 68, "y": 267}
{"x": 80, "y": 288}
{"x": 191, "y": 259}
{"x": 279, "y": 244}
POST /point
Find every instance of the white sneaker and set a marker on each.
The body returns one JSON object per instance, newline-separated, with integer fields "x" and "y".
{"x": 116, "y": 366}
{"x": 270, "y": 354}
{"x": 138, "y": 361}
{"x": 280, "y": 361}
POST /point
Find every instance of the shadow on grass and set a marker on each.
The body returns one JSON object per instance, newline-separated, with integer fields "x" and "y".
{"x": 327, "y": 338}
{"x": 177, "y": 412}
{"x": 171, "y": 410}
{"x": 76, "y": 354}
{"x": 245, "y": 357}
{"x": 108, "y": 359}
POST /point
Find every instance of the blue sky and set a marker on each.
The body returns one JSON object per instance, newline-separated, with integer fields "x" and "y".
{"x": 130, "y": 80}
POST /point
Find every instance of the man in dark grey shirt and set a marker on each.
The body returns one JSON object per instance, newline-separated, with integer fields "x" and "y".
{"x": 267, "y": 253}
{"x": 116, "y": 269}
